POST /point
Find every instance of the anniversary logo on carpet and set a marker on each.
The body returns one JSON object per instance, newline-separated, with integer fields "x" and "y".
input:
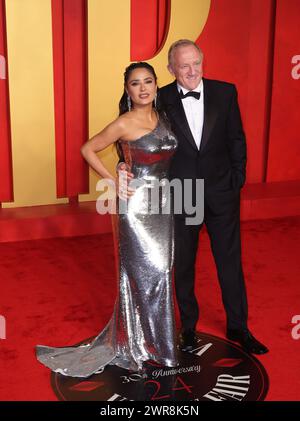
{"x": 216, "y": 371}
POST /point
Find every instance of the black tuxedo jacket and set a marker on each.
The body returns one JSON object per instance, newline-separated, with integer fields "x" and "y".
{"x": 221, "y": 160}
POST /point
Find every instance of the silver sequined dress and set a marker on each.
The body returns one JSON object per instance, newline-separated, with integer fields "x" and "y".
{"x": 142, "y": 326}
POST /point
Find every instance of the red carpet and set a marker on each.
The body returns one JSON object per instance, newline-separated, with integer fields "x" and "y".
{"x": 61, "y": 291}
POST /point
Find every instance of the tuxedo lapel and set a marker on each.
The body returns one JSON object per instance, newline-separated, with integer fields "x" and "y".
{"x": 210, "y": 115}
{"x": 176, "y": 111}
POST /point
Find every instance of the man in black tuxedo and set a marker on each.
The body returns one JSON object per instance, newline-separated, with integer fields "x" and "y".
{"x": 205, "y": 117}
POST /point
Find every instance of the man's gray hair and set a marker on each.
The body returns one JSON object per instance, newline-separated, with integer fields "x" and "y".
{"x": 182, "y": 43}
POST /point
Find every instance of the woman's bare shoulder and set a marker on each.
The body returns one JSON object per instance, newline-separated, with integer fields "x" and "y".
{"x": 124, "y": 124}
{"x": 124, "y": 120}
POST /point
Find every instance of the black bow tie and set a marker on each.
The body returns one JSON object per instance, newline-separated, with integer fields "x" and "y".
{"x": 190, "y": 93}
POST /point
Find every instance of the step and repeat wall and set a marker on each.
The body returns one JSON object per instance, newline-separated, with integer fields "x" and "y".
{"x": 61, "y": 78}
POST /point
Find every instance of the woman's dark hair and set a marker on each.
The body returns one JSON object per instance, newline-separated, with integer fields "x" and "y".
{"x": 123, "y": 104}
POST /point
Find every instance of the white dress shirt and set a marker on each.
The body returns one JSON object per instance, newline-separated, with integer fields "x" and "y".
{"x": 194, "y": 111}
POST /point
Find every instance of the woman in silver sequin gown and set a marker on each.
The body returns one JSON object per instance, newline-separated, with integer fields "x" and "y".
{"x": 142, "y": 326}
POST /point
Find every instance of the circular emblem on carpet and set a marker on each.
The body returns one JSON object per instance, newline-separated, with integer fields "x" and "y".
{"x": 217, "y": 370}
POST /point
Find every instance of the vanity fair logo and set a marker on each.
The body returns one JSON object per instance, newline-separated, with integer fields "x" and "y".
{"x": 216, "y": 370}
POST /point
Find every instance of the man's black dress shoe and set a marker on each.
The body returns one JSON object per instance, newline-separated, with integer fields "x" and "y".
{"x": 247, "y": 341}
{"x": 188, "y": 340}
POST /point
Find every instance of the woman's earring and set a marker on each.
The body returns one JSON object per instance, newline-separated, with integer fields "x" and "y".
{"x": 155, "y": 100}
{"x": 129, "y": 102}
